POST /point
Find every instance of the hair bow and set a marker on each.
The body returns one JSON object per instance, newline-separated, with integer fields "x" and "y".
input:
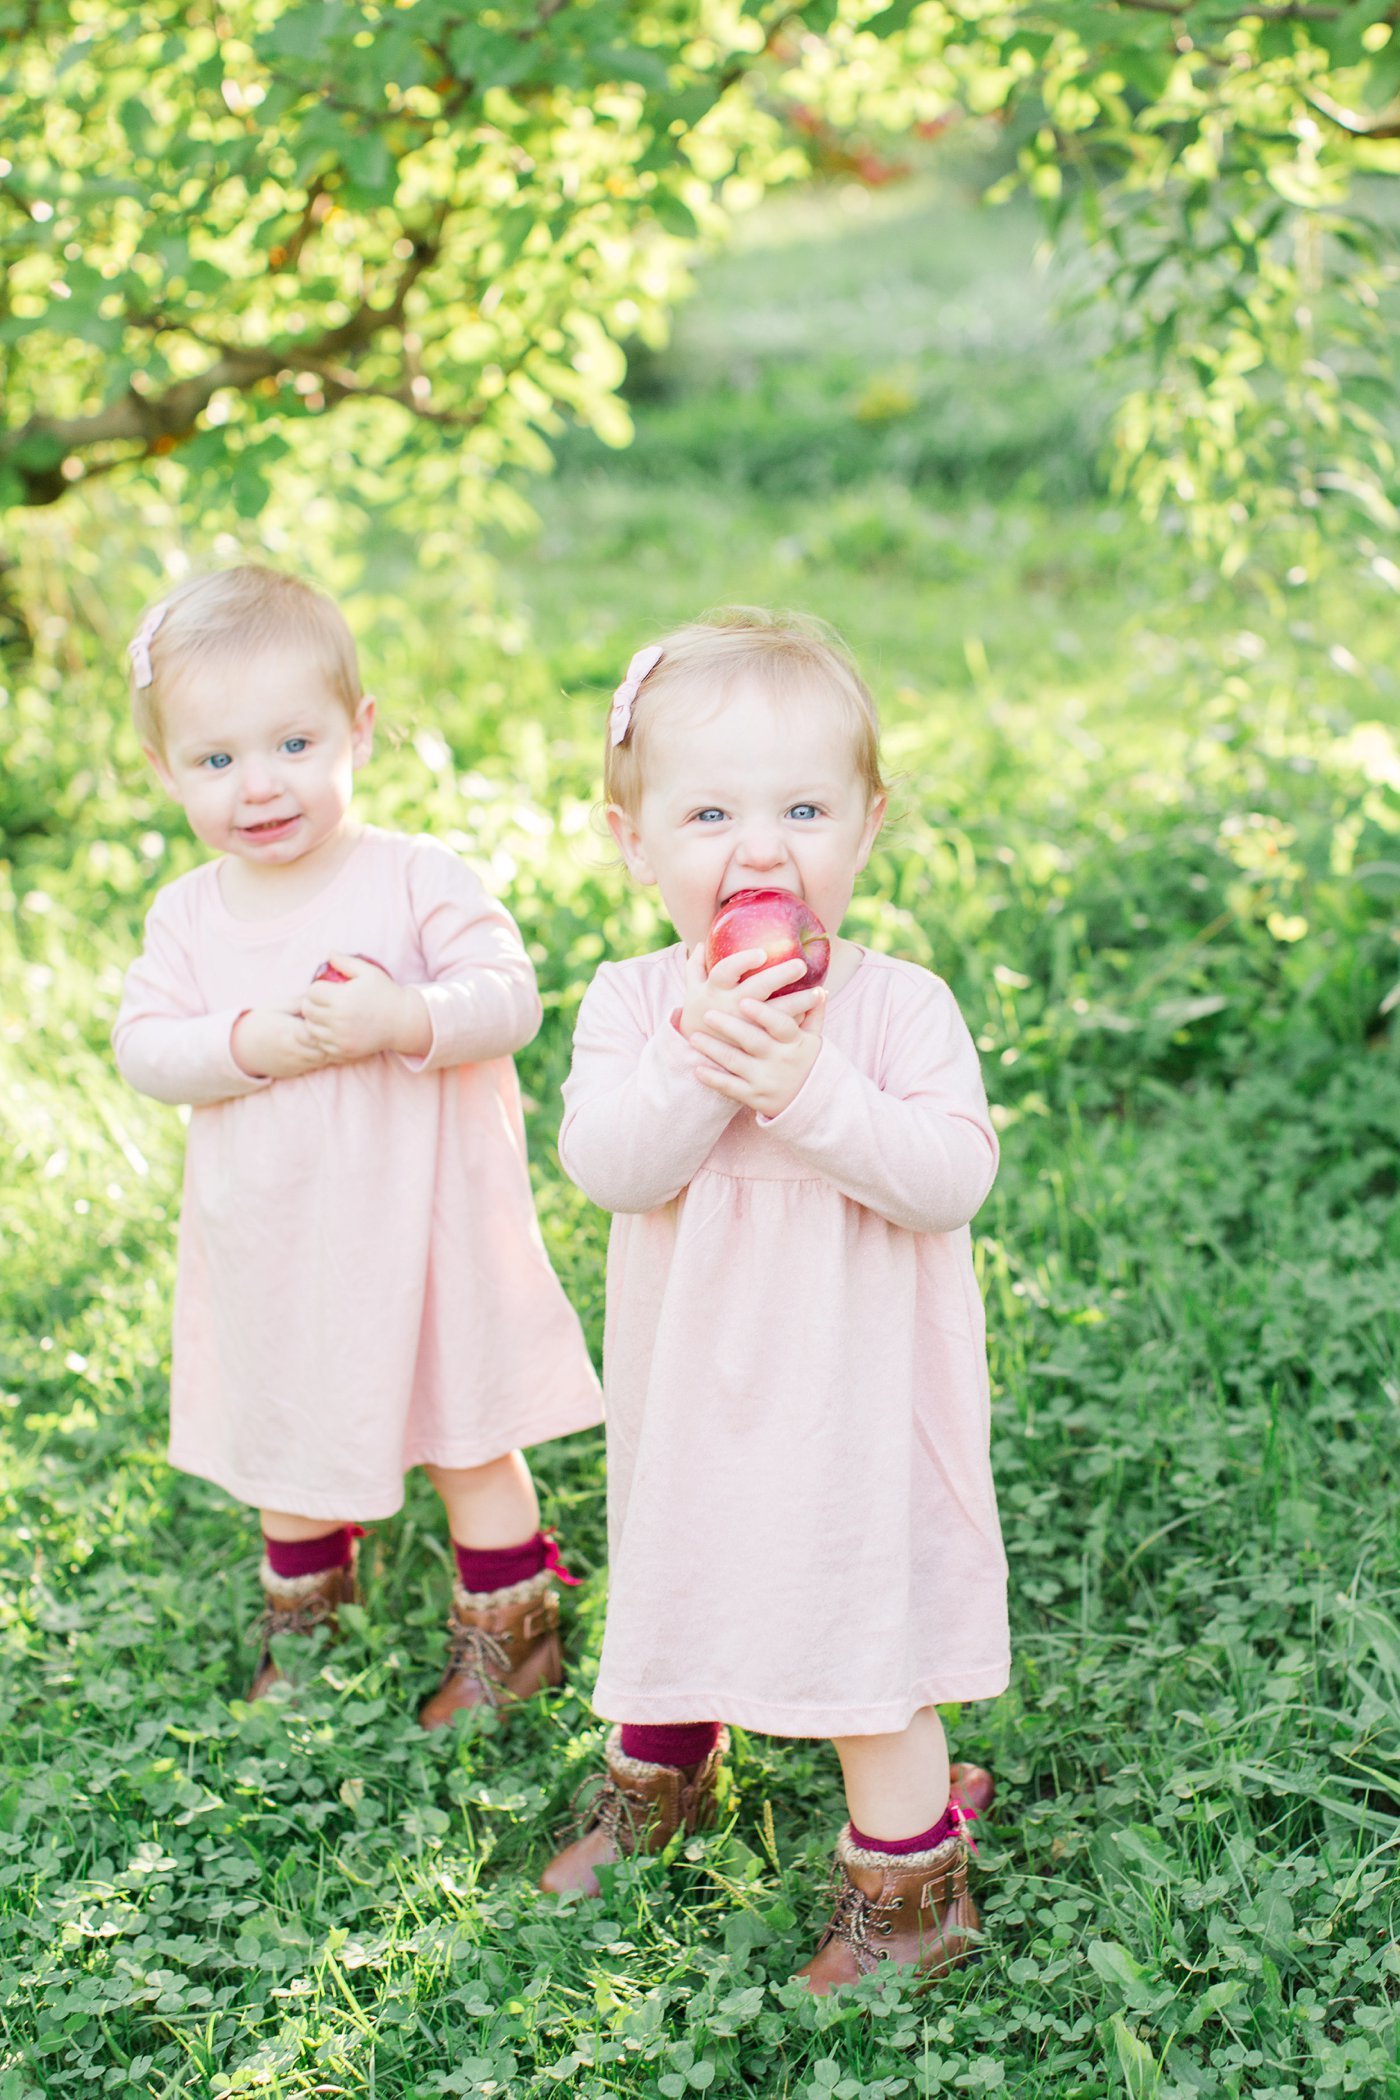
{"x": 139, "y": 647}
{"x": 620, "y": 719}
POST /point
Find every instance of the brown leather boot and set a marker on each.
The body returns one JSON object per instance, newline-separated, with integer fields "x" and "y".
{"x": 912, "y": 1908}
{"x": 504, "y": 1646}
{"x": 637, "y": 1807}
{"x": 973, "y": 1787}
{"x": 297, "y": 1604}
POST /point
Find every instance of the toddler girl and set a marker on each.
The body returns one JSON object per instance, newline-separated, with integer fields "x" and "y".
{"x": 803, "y": 1530}
{"x": 362, "y": 1286}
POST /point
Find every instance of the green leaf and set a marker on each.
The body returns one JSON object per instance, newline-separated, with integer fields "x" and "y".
{"x": 1119, "y": 1968}
{"x": 305, "y": 32}
{"x": 489, "y": 58}
{"x": 370, "y": 164}
{"x": 1141, "y": 2072}
{"x": 675, "y": 215}
{"x": 631, "y": 62}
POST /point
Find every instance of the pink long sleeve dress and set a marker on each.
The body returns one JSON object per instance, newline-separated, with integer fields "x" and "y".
{"x": 361, "y": 1286}
{"x": 803, "y": 1528}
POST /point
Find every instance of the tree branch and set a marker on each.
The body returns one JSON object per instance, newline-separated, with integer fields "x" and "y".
{"x": 1289, "y": 11}
{"x": 287, "y": 256}
{"x": 158, "y": 422}
{"x": 1347, "y": 120}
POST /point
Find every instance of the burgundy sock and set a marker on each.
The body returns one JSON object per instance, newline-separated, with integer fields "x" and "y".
{"x": 948, "y": 1825}
{"x": 679, "y": 1743}
{"x": 291, "y": 1558}
{"x": 486, "y": 1568}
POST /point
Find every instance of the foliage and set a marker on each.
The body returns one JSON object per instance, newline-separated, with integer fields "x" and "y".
{"x": 1228, "y": 166}
{"x": 222, "y": 224}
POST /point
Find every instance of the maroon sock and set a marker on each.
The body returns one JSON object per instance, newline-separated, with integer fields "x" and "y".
{"x": 486, "y": 1568}
{"x": 948, "y": 1825}
{"x": 290, "y": 1558}
{"x": 680, "y": 1743}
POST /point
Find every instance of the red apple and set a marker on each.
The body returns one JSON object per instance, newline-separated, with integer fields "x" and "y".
{"x": 780, "y": 924}
{"x": 328, "y": 973}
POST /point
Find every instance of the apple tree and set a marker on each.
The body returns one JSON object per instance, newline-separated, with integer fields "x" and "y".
{"x": 404, "y": 238}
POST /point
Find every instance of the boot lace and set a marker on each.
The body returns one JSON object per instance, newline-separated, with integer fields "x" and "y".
{"x": 474, "y": 1653}
{"x": 600, "y": 1804}
{"x": 857, "y": 1919}
{"x": 295, "y": 1618}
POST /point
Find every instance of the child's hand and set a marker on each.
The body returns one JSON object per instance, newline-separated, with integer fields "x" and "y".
{"x": 760, "y": 1055}
{"x": 270, "y": 1043}
{"x": 366, "y": 1014}
{"x": 721, "y": 991}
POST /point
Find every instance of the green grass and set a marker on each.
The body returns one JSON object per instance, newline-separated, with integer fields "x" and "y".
{"x": 1139, "y": 828}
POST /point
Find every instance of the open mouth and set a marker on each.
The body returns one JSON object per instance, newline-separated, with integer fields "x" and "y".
{"x": 273, "y": 828}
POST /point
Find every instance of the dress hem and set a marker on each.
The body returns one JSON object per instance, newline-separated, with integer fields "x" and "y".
{"x": 675, "y": 1709}
{"x": 367, "y": 1506}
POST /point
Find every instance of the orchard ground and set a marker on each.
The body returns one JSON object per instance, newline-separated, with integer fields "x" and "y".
{"x": 1146, "y": 824}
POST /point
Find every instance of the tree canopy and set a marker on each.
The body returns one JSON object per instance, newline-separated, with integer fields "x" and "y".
{"x": 222, "y": 222}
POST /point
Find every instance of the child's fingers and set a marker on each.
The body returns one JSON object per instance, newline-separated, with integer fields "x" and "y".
{"x": 730, "y": 968}
{"x": 721, "y": 1082}
{"x": 778, "y": 1022}
{"x": 744, "y": 1033}
{"x": 728, "y": 1056}
{"x": 762, "y": 984}
{"x": 796, "y": 1003}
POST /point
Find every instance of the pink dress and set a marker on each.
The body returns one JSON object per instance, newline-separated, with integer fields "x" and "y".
{"x": 803, "y": 1530}
{"x": 362, "y": 1286}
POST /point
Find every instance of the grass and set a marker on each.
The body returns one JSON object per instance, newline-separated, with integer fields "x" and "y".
{"x": 1144, "y": 828}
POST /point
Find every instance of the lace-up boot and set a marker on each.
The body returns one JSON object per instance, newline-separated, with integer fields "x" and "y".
{"x": 973, "y": 1788}
{"x": 503, "y": 1645}
{"x": 633, "y": 1807}
{"x": 912, "y": 1908}
{"x": 298, "y": 1604}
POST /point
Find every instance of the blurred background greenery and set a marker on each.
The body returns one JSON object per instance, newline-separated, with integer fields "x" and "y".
{"x": 1145, "y": 822}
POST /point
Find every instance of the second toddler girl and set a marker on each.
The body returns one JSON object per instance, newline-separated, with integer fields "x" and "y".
{"x": 362, "y": 1286}
{"x": 803, "y": 1529}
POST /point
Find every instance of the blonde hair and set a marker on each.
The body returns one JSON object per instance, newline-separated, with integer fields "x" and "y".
{"x": 232, "y": 615}
{"x": 791, "y": 655}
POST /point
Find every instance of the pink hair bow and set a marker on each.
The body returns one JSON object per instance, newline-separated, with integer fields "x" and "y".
{"x": 624, "y": 699}
{"x": 139, "y": 647}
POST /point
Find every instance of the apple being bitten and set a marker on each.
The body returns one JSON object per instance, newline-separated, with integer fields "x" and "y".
{"x": 780, "y": 924}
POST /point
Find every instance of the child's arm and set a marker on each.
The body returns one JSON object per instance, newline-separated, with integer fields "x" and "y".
{"x": 169, "y": 1046}
{"x": 636, "y": 1125}
{"x": 919, "y": 1150}
{"x": 477, "y": 999}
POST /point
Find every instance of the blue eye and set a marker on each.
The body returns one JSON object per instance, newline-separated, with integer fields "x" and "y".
{"x": 703, "y": 816}
{"x": 805, "y": 810}
{"x": 216, "y": 761}
{"x": 295, "y": 744}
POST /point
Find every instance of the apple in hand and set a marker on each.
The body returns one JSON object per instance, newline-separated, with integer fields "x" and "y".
{"x": 780, "y": 924}
{"x": 328, "y": 973}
